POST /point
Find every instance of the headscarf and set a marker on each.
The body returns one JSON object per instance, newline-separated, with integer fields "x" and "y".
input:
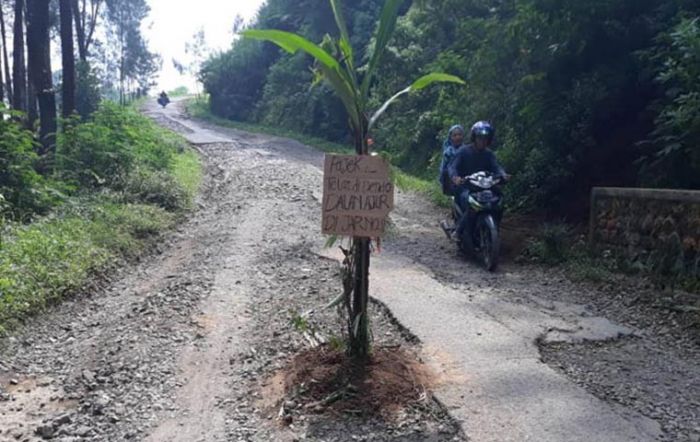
{"x": 448, "y": 153}
{"x": 448, "y": 150}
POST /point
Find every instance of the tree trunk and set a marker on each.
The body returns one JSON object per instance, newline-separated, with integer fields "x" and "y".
{"x": 79, "y": 30}
{"x": 6, "y": 60}
{"x": 2, "y": 89}
{"x": 90, "y": 22}
{"x": 19, "y": 72}
{"x": 68, "y": 57}
{"x": 32, "y": 109}
{"x": 359, "y": 336}
{"x": 85, "y": 24}
{"x": 39, "y": 66}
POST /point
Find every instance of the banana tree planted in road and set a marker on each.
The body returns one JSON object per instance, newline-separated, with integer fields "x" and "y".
{"x": 335, "y": 62}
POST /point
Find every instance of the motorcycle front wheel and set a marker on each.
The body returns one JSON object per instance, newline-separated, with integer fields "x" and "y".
{"x": 489, "y": 241}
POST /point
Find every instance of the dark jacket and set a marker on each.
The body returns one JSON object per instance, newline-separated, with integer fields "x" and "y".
{"x": 469, "y": 160}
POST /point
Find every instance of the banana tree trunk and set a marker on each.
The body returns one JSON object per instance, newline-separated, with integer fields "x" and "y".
{"x": 359, "y": 337}
{"x": 359, "y": 321}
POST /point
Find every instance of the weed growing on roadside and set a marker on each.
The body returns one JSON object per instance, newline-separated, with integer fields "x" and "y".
{"x": 43, "y": 261}
{"x": 552, "y": 245}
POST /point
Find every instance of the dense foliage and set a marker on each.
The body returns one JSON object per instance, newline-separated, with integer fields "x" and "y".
{"x": 21, "y": 187}
{"x": 102, "y": 150}
{"x": 675, "y": 145}
{"x": 582, "y": 93}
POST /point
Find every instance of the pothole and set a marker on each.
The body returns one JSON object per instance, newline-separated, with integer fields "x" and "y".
{"x": 26, "y": 402}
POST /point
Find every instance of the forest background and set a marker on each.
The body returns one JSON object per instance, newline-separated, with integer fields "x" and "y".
{"x": 583, "y": 94}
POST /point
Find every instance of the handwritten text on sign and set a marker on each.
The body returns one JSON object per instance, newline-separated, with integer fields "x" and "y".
{"x": 357, "y": 195}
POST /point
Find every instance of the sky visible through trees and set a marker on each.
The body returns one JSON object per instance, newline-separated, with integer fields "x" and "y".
{"x": 169, "y": 28}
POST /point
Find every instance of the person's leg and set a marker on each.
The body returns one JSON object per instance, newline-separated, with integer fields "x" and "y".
{"x": 449, "y": 225}
{"x": 463, "y": 202}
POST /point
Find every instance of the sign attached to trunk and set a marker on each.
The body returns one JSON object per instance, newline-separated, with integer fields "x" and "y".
{"x": 357, "y": 195}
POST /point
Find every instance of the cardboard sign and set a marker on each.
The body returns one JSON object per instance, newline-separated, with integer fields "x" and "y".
{"x": 357, "y": 195}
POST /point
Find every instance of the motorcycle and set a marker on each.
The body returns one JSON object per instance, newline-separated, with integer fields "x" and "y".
{"x": 163, "y": 101}
{"x": 481, "y": 236}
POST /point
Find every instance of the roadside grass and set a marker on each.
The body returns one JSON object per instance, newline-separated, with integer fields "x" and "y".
{"x": 58, "y": 254}
{"x": 42, "y": 262}
{"x": 186, "y": 168}
{"x": 199, "y": 108}
{"x": 559, "y": 245}
{"x": 430, "y": 188}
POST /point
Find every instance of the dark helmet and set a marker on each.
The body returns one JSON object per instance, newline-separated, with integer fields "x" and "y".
{"x": 482, "y": 128}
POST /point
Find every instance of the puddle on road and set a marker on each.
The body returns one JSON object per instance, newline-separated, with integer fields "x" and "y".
{"x": 27, "y": 401}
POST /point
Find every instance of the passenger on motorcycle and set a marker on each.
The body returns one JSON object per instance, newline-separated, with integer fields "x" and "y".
{"x": 472, "y": 158}
{"x": 454, "y": 141}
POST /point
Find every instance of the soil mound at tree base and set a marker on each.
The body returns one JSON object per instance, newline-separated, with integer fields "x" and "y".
{"x": 326, "y": 380}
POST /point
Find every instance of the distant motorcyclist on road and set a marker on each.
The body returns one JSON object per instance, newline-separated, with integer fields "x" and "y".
{"x": 472, "y": 158}
{"x": 163, "y": 99}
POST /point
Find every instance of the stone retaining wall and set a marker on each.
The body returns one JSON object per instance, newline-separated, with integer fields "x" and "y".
{"x": 655, "y": 229}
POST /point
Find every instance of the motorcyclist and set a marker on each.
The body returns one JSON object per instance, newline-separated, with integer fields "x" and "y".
{"x": 454, "y": 141}
{"x": 163, "y": 98}
{"x": 472, "y": 158}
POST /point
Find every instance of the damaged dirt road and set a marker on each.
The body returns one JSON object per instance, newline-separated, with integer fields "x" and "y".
{"x": 187, "y": 345}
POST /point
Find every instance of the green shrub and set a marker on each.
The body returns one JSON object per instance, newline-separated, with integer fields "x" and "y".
{"x": 89, "y": 156}
{"x": 179, "y": 91}
{"x": 121, "y": 226}
{"x": 551, "y": 245}
{"x": 155, "y": 187}
{"x": 23, "y": 189}
{"x": 88, "y": 96}
{"x": 103, "y": 150}
{"x": 585, "y": 268}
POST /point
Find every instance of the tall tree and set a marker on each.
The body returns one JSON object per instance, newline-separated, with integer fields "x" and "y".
{"x": 32, "y": 109}
{"x": 135, "y": 61}
{"x": 39, "y": 66}
{"x": 2, "y": 89}
{"x": 8, "y": 77}
{"x": 86, "y": 14}
{"x": 68, "y": 57}
{"x": 19, "y": 73}
{"x": 198, "y": 53}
